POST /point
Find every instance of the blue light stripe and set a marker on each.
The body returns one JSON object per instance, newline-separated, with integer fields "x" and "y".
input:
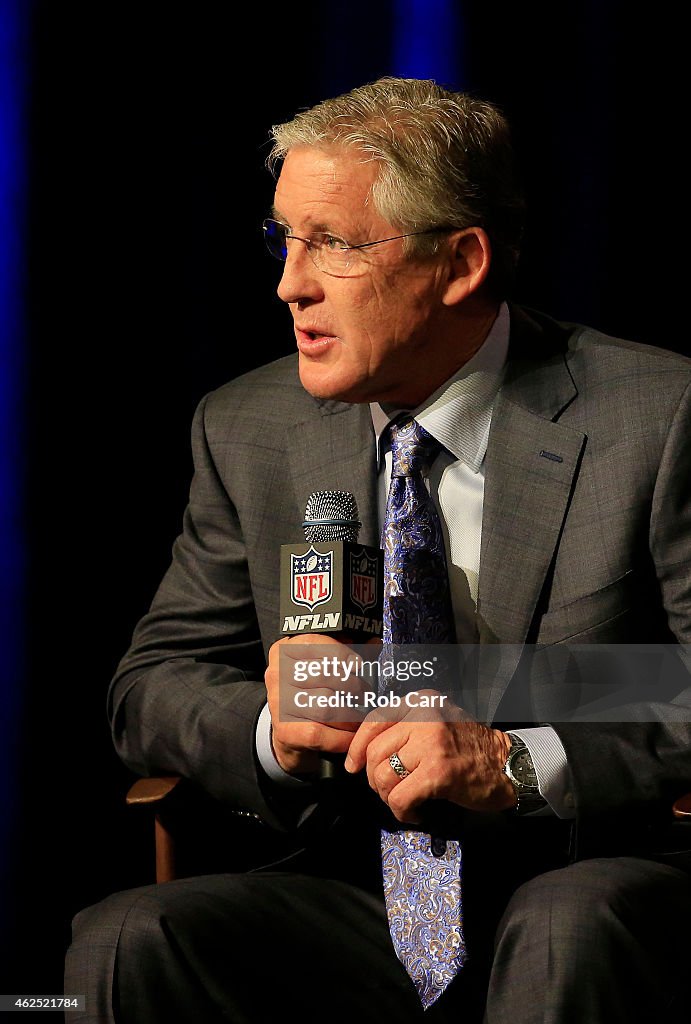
{"x": 428, "y": 41}
{"x": 14, "y": 59}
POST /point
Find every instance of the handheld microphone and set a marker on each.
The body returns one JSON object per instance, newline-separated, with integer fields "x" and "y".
{"x": 330, "y": 583}
{"x": 331, "y": 515}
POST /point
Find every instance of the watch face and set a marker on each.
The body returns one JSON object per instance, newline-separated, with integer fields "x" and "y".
{"x": 521, "y": 765}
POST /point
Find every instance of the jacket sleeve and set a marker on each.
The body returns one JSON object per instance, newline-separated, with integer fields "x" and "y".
{"x": 187, "y": 695}
{"x": 636, "y": 766}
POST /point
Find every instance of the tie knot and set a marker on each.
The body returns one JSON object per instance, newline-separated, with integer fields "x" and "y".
{"x": 412, "y": 448}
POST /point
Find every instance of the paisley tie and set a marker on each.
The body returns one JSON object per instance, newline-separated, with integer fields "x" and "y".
{"x": 422, "y": 874}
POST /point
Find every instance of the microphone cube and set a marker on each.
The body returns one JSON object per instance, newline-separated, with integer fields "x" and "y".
{"x": 332, "y": 587}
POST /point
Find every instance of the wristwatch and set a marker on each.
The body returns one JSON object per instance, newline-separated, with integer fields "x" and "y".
{"x": 520, "y": 770}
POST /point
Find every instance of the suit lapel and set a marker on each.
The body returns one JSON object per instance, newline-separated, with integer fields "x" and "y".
{"x": 531, "y": 464}
{"x": 335, "y": 451}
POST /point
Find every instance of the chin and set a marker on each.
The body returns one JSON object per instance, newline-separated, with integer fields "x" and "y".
{"x": 319, "y": 383}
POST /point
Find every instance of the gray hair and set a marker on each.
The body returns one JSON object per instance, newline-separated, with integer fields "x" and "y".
{"x": 446, "y": 161}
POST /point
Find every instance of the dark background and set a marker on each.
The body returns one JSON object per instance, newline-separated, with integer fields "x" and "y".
{"x": 149, "y": 286}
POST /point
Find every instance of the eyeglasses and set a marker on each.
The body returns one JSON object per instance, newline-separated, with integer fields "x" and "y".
{"x": 329, "y": 253}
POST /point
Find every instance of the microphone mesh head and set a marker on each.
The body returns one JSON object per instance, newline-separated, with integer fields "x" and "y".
{"x": 331, "y": 515}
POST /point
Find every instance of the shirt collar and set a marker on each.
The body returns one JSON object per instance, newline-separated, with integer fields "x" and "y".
{"x": 458, "y": 414}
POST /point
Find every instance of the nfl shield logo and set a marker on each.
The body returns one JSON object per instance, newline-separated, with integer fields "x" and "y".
{"x": 312, "y": 576}
{"x": 363, "y": 580}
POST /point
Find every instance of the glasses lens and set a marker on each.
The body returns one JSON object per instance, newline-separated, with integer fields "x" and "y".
{"x": 275, "y": 238}
{"x": 332, "y": 255}
{"x": 327, "y": 252}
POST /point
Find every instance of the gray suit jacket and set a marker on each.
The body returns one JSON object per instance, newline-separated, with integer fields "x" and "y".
{"x": 586, "y": 539}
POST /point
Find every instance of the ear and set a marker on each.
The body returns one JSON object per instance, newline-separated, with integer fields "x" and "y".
{"x": 470, "y": 255}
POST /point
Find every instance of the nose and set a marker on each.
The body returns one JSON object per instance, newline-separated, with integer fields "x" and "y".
{"x": 300, "y": 281}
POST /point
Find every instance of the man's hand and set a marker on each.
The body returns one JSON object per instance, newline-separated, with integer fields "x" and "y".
{"x": 448, "y": 756}
{"x": 303, "y": 728}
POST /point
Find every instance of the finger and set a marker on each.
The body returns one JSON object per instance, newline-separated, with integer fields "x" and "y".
{"x": 405, "y": 801}
{"x": 383, "y": 775}
{"x": 334, "y": 639}
{"x": 311, "y": 737}
{"x": 404, "y": 795}
{"x": 338, "y": 709}
{"x": 336, "y": 741}
{"x": 299, "y": 747}
{"x": 368, "y": 730}
{"x": 376, "y": 722}
{"x": 292, "y": 645}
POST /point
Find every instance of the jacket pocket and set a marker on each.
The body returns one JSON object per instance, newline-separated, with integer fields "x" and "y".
{"x": 598, "y": 617}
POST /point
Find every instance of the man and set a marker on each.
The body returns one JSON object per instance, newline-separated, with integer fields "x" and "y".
{"x": 563, "y": 490}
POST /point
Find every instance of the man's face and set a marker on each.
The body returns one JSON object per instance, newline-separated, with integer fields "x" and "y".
{"x": 369, "y": 337}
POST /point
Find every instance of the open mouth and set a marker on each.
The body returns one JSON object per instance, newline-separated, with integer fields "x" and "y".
{"x": 313, "y": 337}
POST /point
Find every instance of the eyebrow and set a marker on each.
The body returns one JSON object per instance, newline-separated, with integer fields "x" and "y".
{"x": 275, "y": 215}
{"x": 318, "y": 226}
